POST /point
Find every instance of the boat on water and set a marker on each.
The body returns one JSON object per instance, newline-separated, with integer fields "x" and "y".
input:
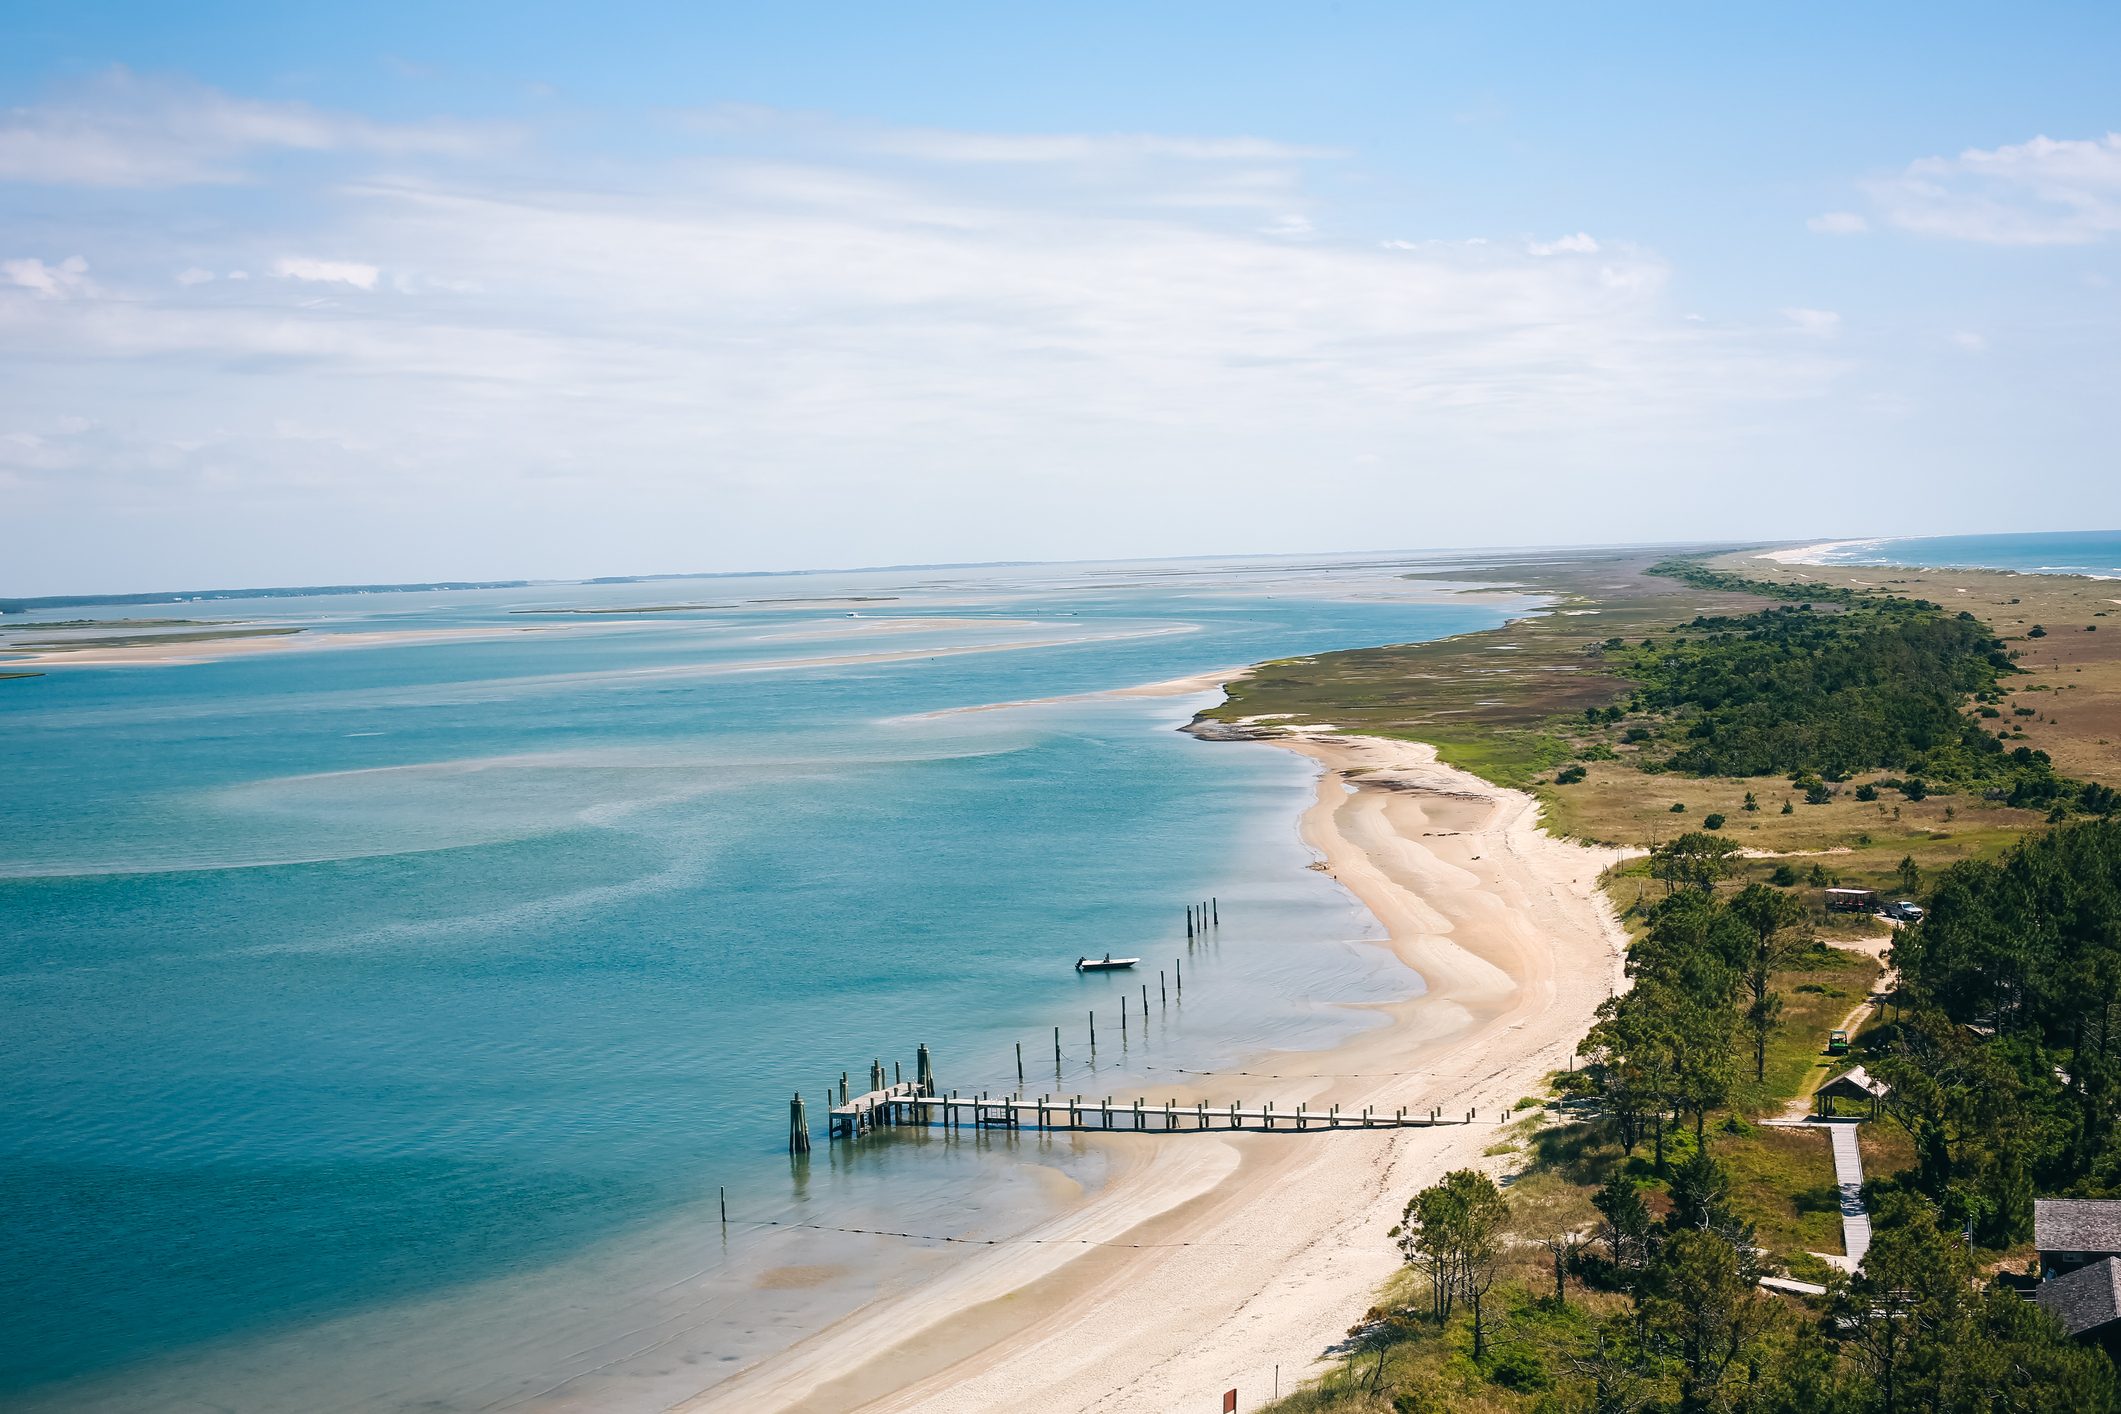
{"x": 1107, "y": 963}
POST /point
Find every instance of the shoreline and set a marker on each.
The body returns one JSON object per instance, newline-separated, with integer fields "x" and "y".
{"x": 1223, "y": 1256}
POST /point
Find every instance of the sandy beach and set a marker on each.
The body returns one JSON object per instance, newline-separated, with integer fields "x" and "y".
{"x": 1213, "y": 1259}
{"x": 1814, "y": 553}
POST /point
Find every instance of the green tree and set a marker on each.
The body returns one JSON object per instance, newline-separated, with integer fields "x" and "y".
{"x": 1774, "y": 924}
{"x": 1695, "y": 860}
{"x": 1452, "y": 1231}
{"x": 1703, "y": 1306}
{"x": 1625, "y": 1226}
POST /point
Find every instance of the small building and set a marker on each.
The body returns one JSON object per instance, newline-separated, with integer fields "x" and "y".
{"x": 2087, "y": 1302}
{"x": 1856, "y": 1084}
{"x": 1852, "y": 900}
{"x": 2071, "y": 1233}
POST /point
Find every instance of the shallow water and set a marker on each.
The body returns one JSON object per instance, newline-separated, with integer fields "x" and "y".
{"x": 385, "y": 1024}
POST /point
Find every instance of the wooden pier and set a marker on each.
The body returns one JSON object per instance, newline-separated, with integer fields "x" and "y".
{"x": 906, "y": 1104}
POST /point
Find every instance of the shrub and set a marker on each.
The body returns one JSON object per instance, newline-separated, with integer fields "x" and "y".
{"x": 1712, "y": 821}
{"x": 1784, "y": 877}
{"x": 1518, "y": 1367}
{"x": 1818, "y": 794}
{"x": 2036, "y": 632}
{"x": 1866, "y": 791}
{"x": 1679, "y": 807}
{"x": 1568, "y": 775}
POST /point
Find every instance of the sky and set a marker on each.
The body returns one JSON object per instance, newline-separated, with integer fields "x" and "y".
{"x": 295, "y": 294}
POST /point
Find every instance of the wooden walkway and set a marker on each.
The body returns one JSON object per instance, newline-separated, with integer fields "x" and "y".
{"x": 904, "y": 1104}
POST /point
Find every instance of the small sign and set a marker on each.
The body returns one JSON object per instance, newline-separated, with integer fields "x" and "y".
{"x": 1229, "y": 1401}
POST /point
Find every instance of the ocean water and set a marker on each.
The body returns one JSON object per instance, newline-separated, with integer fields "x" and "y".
{"x": 386, "y": 1024}
{"x": 2088, "y": 552}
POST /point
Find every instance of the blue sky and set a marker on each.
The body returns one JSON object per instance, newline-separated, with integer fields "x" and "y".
{"x": 291, "y": 294}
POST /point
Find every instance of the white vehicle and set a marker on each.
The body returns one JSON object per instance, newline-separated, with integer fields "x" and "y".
{"x": 1904, "y": 911}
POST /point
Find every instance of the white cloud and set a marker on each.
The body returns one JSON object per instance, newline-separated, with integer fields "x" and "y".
{"x": 2041, "y": 192}
{"x": 1838, "y": 223}
{"x": 124, "y": 130}
{"x": 194, "y": 276}
{"x": 62, "y": 281}
{"x": 1969, "y": 341}
{"x": 1821, "y": 323}
{"x": 940, "y": 145}
{"x": 822, "y": 340}
{"x": 327, "y": 272}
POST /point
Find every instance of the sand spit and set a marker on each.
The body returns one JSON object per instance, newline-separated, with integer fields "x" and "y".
{"x": 1222, "y": 1256}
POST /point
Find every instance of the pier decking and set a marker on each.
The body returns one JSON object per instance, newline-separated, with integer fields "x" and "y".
{"x": 906, "y": 1104}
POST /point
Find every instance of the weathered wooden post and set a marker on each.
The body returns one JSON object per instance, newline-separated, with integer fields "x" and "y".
{"x": 725, "y": 1207}
{"x": 1215, "y": 912}
{"x": 1123, "y": 1015}
{"x": 924, "y": 1071}
{"x": 1019, "y": 1063}
{"x": 843, "y": 1087}
{"x": 1093, "y": 1033}
{"x": 1145, "y": 1008}
{"x": 1056, "y": 1053}
{"x": 1189, "y": 925}
{"x": 1163, "y": 996}
{"x": 798, "y": 1126}
{"x": 1178, "y": 975}
{"x": 876, "y": 1074}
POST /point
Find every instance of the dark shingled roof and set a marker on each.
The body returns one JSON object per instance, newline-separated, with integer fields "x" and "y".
{"x": 2077, "y": 1224}
{"x": 2087, "y": 1298}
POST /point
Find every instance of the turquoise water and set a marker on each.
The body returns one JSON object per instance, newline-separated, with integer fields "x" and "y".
{"x": 2092, "y": 552}
{"x": 386, "y": 1022}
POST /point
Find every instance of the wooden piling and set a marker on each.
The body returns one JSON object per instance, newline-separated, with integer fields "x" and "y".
{"x": 1123, "y": 1014}
{"x": 725, "y": 1207}
{"x": 1019, "y": 1063}
{"x": 1215, "y": 912}
{"x": 1162, "y": 996}
{"x": 798, "y": 1126}
{"x": 1178, "y": 973}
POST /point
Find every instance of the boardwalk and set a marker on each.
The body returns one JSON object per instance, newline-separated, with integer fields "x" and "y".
{"x": 905, "y": 1104}
{"x": 1848, "y": 1177}
{"x": 1848, "y": 1182}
